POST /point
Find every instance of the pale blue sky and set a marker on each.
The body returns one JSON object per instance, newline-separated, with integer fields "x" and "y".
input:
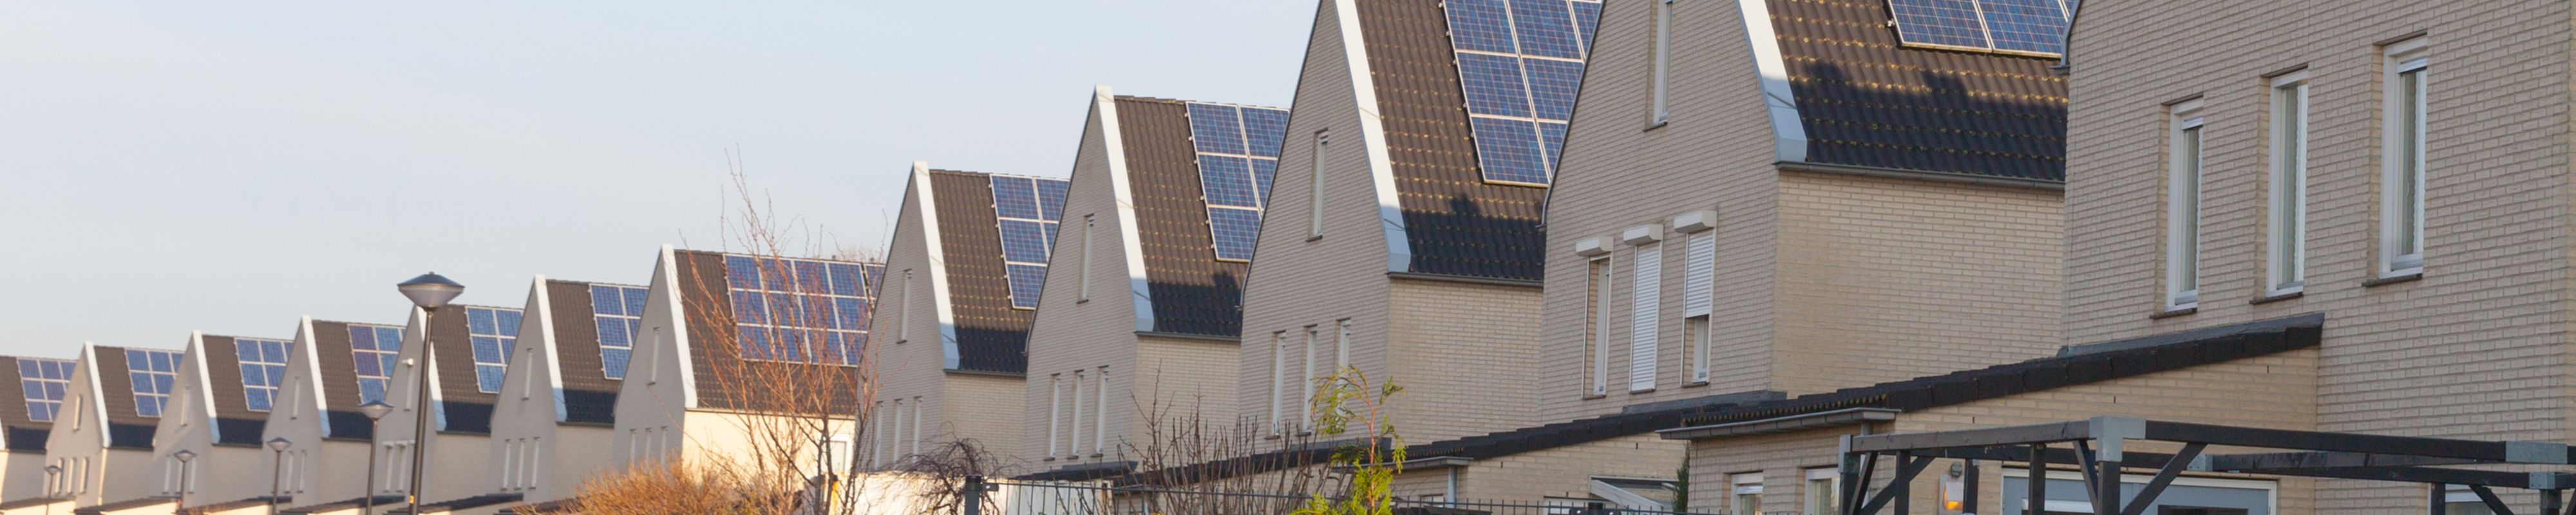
{"x": 229, "y": 166}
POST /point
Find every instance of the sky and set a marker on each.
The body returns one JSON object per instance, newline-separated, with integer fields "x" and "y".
{"x": 228, "y": 167}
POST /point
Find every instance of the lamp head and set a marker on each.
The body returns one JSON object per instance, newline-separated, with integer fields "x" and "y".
{"x": 53, "y": 469}
{"x": 430, "y": 290}
{"x": 279, "y": 444}
{"x": 184, "y": 455}
{"x": 375, "y": 410}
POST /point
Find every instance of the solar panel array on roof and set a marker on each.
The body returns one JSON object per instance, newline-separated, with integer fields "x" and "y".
{"x": 43, "y": 381}
{"x": 1519, "y": 62}
{"x": 494, "y": 332}
{"x": 374, "y": 348}
{"x": 618, "y": 311}
{"x": 2019, "y": 26}
{"x": 154, "y": 373}
{"x": 1027, "y": 210}
{"x": 782, "y": 307}
{"x": 263, "y": 369}
{"x": 1238, "y": 153}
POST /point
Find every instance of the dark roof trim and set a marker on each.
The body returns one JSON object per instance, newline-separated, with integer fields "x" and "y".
{"x": 1188, "y": 336}
{"x": 972, "y": 372}
{"x": 1835, "y": 418}
{"x": 1469, "y": 279}
{"x": 1084, "y": 472}
{"x": 2311, "y": 319}
{"x": 1921, "y": 175}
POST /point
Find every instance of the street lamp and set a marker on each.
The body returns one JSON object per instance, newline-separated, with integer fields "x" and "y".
{"x": 430, "y": 291}
{"x": 183, "y": 455}
{"x": 53, "y": 486}
{"x": 276, "y": 469}
{"x": 375, "y": 411}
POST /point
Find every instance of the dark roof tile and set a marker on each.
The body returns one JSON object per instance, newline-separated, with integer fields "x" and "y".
{"x": 1866, "y": 100}
{"x": 1193, "y": 292}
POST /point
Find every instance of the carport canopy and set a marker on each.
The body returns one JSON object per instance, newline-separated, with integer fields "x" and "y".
{"x": 2097, "y": 446}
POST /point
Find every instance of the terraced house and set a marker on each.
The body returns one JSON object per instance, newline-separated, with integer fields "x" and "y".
{"x": 217, "y": 412}
{"x": 963, "y": 275}
{"x": 737, "y": 357}
{"x": 331, "y": 369}
{"x": 102, "y": 437}
{"x": 1403, "y": 232}
{"x": 555, "y": 421}
{"x": 43, "y": 383}
{"x": 1141, "y": 317}
{"x": 466, "y": 374}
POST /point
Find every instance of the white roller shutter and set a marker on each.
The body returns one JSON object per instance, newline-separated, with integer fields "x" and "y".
{"x": 1698, "y": 273}
{"x": 1646, "y": 280}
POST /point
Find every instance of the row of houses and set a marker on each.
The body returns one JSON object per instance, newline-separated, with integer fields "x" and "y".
{"x": 1762, "y": 226}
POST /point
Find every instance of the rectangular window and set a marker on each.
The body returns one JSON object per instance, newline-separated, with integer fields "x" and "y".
{"x": 1699, "y": 284}
{"x": 1342, "y": 345}
{"x": 1663, "y": 61}
{"x": 916, "y": 424}
{"x": 1747, "y": 493}
{"x": 2288, "y": 252}
{"x": 1075, "y": 443}
{"x": 903, "y": 325}
{"x": 1820, "y": 491}
{"x": 1278, "y": 379}
{"x": 1086, "y": 259}
{"x": 1315, "y": 181}
{"x": 2401, "y": 211}
{"x": 1100, "y": 417}
{"x": 1597, "y": 325}
{"x": 1646, "y": 292}
{"x": 1055, "y": 414}
{"x": 1307, "y": 381}
{"x": 2182, "y": 208}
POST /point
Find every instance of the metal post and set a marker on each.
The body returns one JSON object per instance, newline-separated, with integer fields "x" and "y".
{"x": 1903, "y": 488}
{"x": 367, "y": 494}
{"x": 420, "y": 405}
{"x": 1968, "y": 490}
{"x": 2036, "y": 498}
{"x": 972, "y": 498}
{"x": 2433, "y": 505}
{"x": 2106, "y": 490}
{"x": 2549, "y": 502}
{"x": 276, "y": 474}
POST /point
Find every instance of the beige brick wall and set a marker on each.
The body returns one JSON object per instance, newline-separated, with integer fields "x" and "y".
{"x": 1466, "y": 354}
{"x": 2270, "y": 391}
{"x": 2493, "y": 303}
{"x": 1888, "y": 279}
{"x": 983, "y": 407}
{"x": 1715, "y": 153}
{"x": 1568, "y": 471}
{"x": 1295, "y": 282}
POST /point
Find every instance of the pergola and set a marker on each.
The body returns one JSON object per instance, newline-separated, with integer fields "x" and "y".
{"x": 2097, "y": 446}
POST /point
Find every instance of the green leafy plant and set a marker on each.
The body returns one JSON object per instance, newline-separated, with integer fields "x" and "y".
{"x": 1343, "y": 400}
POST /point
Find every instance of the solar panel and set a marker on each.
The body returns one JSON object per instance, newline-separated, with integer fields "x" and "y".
{"x": 796, "y": 314}
{"x": 1234, "y": 178}
{"x": 373, "y": 349}
{"x": 1519, "y": 65}
{"x": 152, "y": 374}
{"x": 618, "y": 312}
{"x": 43, "y": 381}
{"x": 2026, "y": 26}
{"x": 263, "y": 368}
{"x": 1028, "y": 235}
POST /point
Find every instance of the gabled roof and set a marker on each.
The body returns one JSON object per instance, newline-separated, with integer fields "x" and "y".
{"x": 464, "y": 406}
{"x": 340, "y": 380}
{"x": 589, "y": 396}
{"x": 126, "y": 428}
{"x": 702, "y": 283}
{"x": 1865, "y": 100}
{"x": 1192, "y": 291}
{"x": 1455, "y": 222}
{"x": 24, "y": 433}
{"x": 992, "y": 335}
{"x": 2079, "y": 365}
{"x": 235, "y": 423}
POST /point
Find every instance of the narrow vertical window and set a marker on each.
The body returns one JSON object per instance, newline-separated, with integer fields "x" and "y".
{"x": 916, "y": 424}
{"x": 1663, "y": 61}
{"x": 877, "y": 443}
{"x": 2401, "y": 192}
{"x": 903, "y": 325}
{"x": 1820, "y": 490}
{"x": 1699, "y": 285}
{"x": 1075, "y": 444}
{"x": 1597, "y": 326}
{"x": 2182, "y": 208}
{"x": 1100, "y": 418}
{"x": 1086, "y": 259}
{"x": 1315, "y": 180}
{"x": 2288, "y": 252}
{"x": 1055, "y": 414}
{"x": 895, "y": 452}
{"x": 1748, "y": 492}
{"x": 1307, "y": 379}
{"x": 1646, "y": 288}
{"x": 1341, "y": 345}
{"x": 1278, "y": 369}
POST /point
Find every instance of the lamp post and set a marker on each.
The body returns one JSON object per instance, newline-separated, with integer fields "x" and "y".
{"x": 276, "y": 469}
{"x": 375, "y": 411}
{"x": 183, "y": 455}
{"x": 53, "y": 486}
{"x": 429, "y": 291}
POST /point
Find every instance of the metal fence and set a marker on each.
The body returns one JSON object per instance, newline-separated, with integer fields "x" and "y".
{"x": 999, "y": 497}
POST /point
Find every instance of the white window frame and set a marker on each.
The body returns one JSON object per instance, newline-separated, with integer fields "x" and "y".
{"x": 2400, "y": 254}
{"x": 1663, "y": 107}
{"x": 1055, "y": 416}
{"x": 1100, "y": 414}
{"x": 1748, "y": 487}
{"x": 1278, "y": 387}
{"x": 1341, "y": 345}
{"x": 1699, "y": 292}
{"x": 2185, "y": 172}
{"x": 1307, "y": 423}
{"x": 1601, "y": 291}
{"x": 1075, "y": 443}
{"x": 1315, "y": 182}
{"x": 1086, "y": 260}
{"x": 903, "y": 323}
{"x": 1830, "y": 481}
{"x": 2285, "y": 270}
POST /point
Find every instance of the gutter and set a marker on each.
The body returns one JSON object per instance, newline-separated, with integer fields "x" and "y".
{"x": 1497, "y": 281}
{"x": 1821, "y": 419}
{"x": 1920, "y": 175}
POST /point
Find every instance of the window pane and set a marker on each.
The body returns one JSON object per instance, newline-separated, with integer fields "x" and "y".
{"x": 2410, "y": 159}
{"x": 2190, "y": 210}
